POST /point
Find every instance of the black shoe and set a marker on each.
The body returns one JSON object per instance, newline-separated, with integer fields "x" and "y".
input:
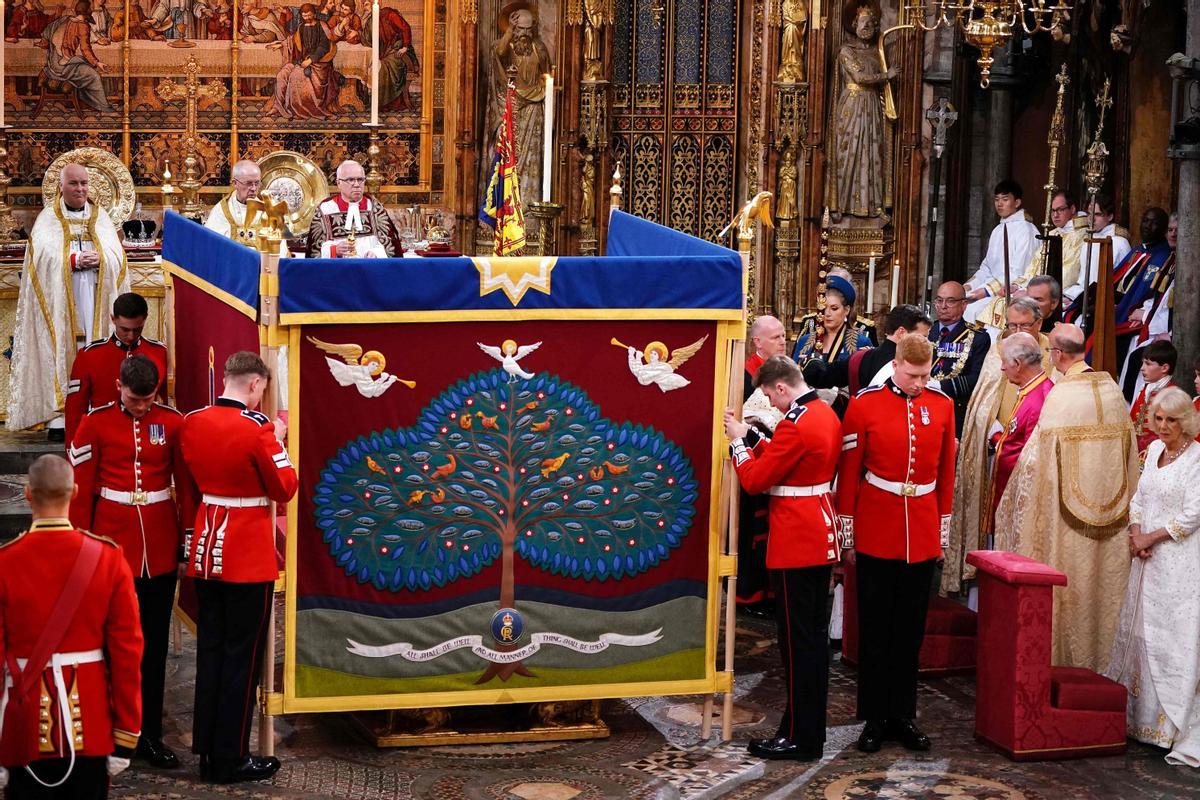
{"x": 763, "y": 609}
{"x": 835, "y": 644}
{"x": 205, "y": 767}
{"x": 871, "y": 738}
{"x": 156, "y": 753}
{"x": 781, "y": 748}
{"x": 56, "y": 434}
{"x": 906, "y": 732}
{"x": 247, "y": 768}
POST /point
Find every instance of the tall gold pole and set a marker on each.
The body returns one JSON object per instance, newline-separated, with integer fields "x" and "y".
{"x": 1055, "y": 138}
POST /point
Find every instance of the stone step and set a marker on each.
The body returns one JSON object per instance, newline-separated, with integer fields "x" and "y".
{"x": 14, "y": 511}
{"x": 19, "y": 449}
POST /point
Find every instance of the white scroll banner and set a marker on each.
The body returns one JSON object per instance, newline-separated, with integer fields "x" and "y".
{"x": 476, "y": 646}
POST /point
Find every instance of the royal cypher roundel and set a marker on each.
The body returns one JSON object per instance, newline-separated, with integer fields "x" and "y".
{"x": 492, "y": 464}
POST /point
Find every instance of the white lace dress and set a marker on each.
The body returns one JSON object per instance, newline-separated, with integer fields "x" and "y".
{"x": 1156, "y": 654}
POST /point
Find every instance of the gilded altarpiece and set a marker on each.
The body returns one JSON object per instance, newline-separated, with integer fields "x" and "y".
{"x": 297, "y": 77}
{"x": 674, "y": 111}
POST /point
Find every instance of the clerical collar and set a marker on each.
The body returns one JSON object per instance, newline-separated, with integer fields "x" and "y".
{"x": 344, "y": 205}
{"x": 229, "y": 402}
{"x": 127, "y": 347}
{"x": 73, "y": 210}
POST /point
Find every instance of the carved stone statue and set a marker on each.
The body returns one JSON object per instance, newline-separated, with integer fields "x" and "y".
{"x": 520, "y": 45}
{"x": 857, "y": 190}
{"x": 792, "y": 40}
{"x": 785, "y": 190}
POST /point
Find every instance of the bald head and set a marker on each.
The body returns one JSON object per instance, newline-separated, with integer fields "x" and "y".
{"x": 51, "y": 484}
{"x": 949, "y": 303}
{"x": 246, "y": 179}
{"x": 767, "y": 336}
{"x": 1066, "y": 346}
{"x": 74, "y": 184}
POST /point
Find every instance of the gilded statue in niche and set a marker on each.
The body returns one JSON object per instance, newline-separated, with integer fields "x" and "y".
{"x": 785, "y": 206}
{"x": 520, "y": 45}
{"x": 858, "y": 190}
{"x": 791, "y": 44}
{"x": 595, "y": 14}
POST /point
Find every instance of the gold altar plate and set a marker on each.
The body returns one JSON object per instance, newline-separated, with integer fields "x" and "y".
{"x": 295, "y": 179}
{"x": 109, "y": 183}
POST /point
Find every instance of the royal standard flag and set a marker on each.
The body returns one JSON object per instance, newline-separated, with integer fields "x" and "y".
{"x": 501, "y": 207}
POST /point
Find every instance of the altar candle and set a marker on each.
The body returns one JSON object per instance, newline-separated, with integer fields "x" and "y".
{"x": 375, "y": 62}
{"x": 548, "y": 139}
{"x": 871, "y": 285}
{"x": 895, "y": 281}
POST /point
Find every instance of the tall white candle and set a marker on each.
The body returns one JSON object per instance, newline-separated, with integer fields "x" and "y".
{"x": 871, "y": 285}
{"x": 895, "y": 282}
{"x": 548, "y": 139}
{"x": 375, "y": 62}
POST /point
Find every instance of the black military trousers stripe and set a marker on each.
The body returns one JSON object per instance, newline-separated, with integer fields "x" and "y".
{"x": 893, "y": 598}
{"x": 230, "y": 633}
{"x": 802, "y": 617}
{"x": 88, "y": 780}
{"x": 156, "y": 598}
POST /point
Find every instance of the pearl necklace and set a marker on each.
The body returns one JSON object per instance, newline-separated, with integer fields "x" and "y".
{"x": 1171, "y": 457}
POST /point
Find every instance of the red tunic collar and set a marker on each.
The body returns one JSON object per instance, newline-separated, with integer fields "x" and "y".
{"x": 753, "y": 363}
{"x": 344, "y": 205}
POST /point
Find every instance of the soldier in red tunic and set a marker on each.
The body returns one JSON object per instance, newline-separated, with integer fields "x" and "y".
{"x": 239, "y": 467}
{"x": 126, "y": 454}
{"x": 97, "y": 366}
{"x": 796, "y": 468}
{"x": 895, "y": 486}
{"x": 70, "y": 646}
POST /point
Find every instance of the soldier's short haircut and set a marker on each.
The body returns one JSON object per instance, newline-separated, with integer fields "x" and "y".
{"x": 904, "y": 316}
{"x": 1028, "y": 305}
{"x": 51, "y": 479}
{"x": 1046, "y": 280}
{"x": 1162, "y": 352}
{"x": 139, "y": 375}
{"x": 914, "y": 348}
{"x": 244, "y": 363}
{"x": 776, "y": 369}
{"x": 130, "y": 305}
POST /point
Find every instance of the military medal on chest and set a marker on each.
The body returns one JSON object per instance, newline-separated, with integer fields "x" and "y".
{"x": 924, "y": 415}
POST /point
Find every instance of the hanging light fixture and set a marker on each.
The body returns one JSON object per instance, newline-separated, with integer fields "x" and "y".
{"x": 989, "y": 24}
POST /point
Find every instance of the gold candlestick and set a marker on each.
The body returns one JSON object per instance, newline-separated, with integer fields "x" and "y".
{"x": 374, "y": 180}
{"x": 546, "y": 214}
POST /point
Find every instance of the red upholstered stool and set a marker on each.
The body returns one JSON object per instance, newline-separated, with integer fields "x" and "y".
{"x": 949, "y": 644}
{"x": 1024, "y": 707}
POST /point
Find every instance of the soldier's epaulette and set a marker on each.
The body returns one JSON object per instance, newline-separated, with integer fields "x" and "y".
{"x": 94, "y": 344}
{"x": 867, "y": 389}
{"x": 98, "y": 537}
{"x": 97, "y": 409}
{"x": 196, "y": 410}
{"x": 166, "y": 407}
{"x": 155, "y": 342}
{"x": 257, "y": 416}
{"x": 870, "y": 323}
{"x": 13, "y": 540}
{"x": 795, "y": 413}
{"x": 975, "y": 326}
{"x": 939, "y": 391}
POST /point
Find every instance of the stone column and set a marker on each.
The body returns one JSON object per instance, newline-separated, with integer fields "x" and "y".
{"x": 1186, "y": 323}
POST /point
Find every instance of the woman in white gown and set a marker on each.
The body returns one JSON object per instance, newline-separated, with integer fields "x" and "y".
{"x": 1156, "y": 654}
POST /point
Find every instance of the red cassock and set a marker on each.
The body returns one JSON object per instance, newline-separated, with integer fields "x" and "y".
{"x": 796, "y": 467}
{"x": 124, "y": 468}
{"x": 95, "y": 372}
{"x": 896, "y": 478}
{"x": 238, "y": 467}
{"x": 100, "y": 652}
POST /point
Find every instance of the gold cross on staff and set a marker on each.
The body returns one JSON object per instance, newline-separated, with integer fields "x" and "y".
{"x": 191, "y": 90}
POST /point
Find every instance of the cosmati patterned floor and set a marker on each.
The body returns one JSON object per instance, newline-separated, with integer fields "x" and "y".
{"x": 655, "y": 753}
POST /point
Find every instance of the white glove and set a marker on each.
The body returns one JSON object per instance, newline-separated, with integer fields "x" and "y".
{"x": 116, "y": 766}
{"x": 3, "y": 777}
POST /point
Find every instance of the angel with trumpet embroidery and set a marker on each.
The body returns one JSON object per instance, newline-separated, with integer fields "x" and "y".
{"x": 653, "y": 366}
{"x": 364, "y": 371}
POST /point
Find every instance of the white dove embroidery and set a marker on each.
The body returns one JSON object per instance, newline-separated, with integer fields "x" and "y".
{"x": 508, "y": 354}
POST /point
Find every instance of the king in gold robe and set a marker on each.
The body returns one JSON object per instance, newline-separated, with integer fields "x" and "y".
{"x": 59, "y": 307}
{"x": 1066, "y": 505}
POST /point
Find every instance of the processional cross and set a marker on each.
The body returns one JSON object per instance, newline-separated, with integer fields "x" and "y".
{"x": 941, "y": 116}
{"x": 191, "y": 91}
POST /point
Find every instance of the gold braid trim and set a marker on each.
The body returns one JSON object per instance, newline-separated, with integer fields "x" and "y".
{"x": 1102, "y": 514}
{"x": 41, "y": 298}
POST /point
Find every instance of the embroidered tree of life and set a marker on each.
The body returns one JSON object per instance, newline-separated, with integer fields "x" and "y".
{"x": 493, "y": 469}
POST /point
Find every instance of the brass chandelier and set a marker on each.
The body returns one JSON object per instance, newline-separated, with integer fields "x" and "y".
{"x": 988, "y": 24}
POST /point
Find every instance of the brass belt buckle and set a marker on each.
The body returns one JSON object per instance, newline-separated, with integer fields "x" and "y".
{"x": 138, "y": 498}
{"x": 908, "y": 490}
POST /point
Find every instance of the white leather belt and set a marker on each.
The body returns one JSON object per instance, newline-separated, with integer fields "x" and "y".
{"x": 236, "y": 502}
{"x": 138, "y": 498}
{"x": 902, "y": 489}
{"x": 800, "y": 491}
{"x": 67, "y": 659}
